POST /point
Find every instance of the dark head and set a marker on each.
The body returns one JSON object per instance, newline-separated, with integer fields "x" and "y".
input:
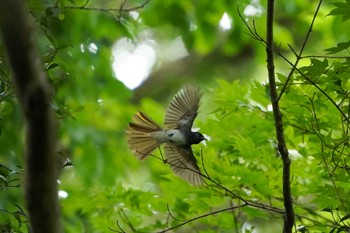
{"x": 196, "y": 138}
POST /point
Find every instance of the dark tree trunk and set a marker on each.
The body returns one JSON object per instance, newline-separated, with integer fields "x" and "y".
{"x": 34, "y": 96}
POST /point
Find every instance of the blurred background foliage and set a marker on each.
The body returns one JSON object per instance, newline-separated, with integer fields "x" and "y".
{"x": 85, "y": 46}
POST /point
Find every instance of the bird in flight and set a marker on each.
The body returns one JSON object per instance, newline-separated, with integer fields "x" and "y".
{"x": 144, "y": 135}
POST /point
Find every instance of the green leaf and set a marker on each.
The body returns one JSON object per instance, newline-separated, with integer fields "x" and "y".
{"x": 51, "y": 66}
{"x": 340, "y": 47}
{"x": 327, "y": 209}
{"x": 61, "y": 16}
{"x": 346, "y": 217}
{"x": 343, "y": 229}
{"x": 342, "y": 9}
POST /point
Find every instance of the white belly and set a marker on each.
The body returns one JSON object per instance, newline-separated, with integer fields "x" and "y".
{"x": 171, "y": 136}
{"x": 175, "y": 137}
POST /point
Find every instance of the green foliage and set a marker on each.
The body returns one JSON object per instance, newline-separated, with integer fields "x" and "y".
{"x": 342, "y": 9}
{"x": 109, "y": 190}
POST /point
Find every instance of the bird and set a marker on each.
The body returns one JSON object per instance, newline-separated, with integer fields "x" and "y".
{"x": 145, "y": 135}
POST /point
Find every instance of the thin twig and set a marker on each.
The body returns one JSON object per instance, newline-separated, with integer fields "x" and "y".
{"x": 298, "y": 56}
{"x": 202, "y": 216}
{"x": 85, "y": 4}
{"x": 120, "y": 228}
{"x": 121, "y": 9}
{"x": 171, "y": 215}
{"x": 346, "y": 118}
{"x": 255, "y": 35}
{"x": 203, "y": 164}
{"x": 126, "y": 220}
{"x": 344, "y": 145}
{"x": 282, "y": 147}
{"x": 330, "y": 174}
{"x": 253, "y": 204}
{"x": 324, "y": 56}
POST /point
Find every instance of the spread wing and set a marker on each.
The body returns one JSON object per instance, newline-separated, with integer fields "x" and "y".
{"x": 183, "y": 163}
{"x": 183, "y": 109}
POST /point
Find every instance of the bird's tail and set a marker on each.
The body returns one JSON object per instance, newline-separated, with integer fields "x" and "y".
{"x": 138, "y": 134}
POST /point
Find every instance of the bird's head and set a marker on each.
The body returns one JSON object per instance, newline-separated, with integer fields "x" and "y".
{"x": 197, "y": 137}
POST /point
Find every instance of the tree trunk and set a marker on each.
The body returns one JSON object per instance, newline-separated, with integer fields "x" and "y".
{"x": 35, "y": 97}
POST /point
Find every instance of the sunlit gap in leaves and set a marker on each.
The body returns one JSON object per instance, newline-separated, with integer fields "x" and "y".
{"x": 62, "y": 194}
{"x": 253, "y": 9}
{"x": 92, "y": 47}
{"x": 133, "y": 62}
{"x": 225, "y": 22}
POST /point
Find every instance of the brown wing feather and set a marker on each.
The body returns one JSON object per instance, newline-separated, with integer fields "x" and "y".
{"x": 183, "y": 163}
{"x": 183, "y": 109}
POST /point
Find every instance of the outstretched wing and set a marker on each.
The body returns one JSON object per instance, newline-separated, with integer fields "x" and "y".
{"x": 183, "y": 163}
{"x": 183, "y": 109}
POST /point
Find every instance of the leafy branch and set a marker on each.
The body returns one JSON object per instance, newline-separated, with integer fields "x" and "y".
{"x": 337, "y": 106}
{"x": 231, "y": 208}
{"x": 19, "y": 215}
{"x": 255, "y": 35}
{"x": 299, "y": 55}
{"x": 185, "y": 222}
{"x": 324, "y": 56}
{"x": 101, "y": 9}
{"x": 6, "y": 88}
{"x": 211, "y": 183}
{"x": 9, "y": 176}
{"x": 226, "y": 190}
{"x": 327, "y": 167}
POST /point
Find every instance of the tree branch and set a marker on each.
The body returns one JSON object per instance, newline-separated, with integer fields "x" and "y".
{"x": 346, "y": 118}
{"x": 282, "y": 147}
{"x": 121, "y": 9}
{"x": 327, "y": 167}
{"x": 227, "y": 191}
{"x": 298, "y": 56}
{"x": 254, "y": 34}
{"x": 203, "y": 216}
{"x": 35, "y": 99}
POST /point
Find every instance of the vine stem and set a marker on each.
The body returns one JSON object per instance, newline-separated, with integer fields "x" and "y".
{"x": 282, "y": 147}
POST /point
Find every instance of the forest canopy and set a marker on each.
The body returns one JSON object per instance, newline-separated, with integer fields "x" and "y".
{"x": 106, "y": 60}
